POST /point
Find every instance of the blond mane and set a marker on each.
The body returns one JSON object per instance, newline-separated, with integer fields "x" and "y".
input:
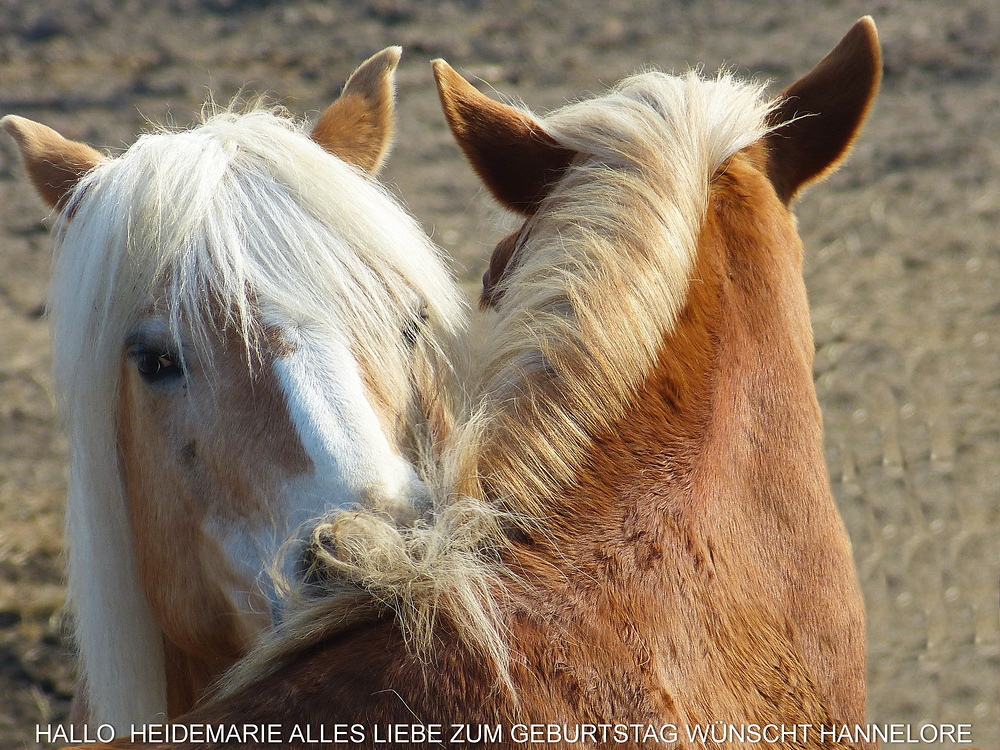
{"x": 603, "y": 273}
{"x": 218, "y": 225}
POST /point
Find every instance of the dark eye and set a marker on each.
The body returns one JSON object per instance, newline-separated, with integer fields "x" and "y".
{"x": 155, "y": 366}
{"x": 411, "y": 330}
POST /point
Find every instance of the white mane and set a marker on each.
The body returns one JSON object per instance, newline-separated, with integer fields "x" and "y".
{"x": 239, "y": 215}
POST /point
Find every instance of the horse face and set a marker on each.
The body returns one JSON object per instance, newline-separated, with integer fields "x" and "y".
{"x": 225, "y": 459}
{"x": 224, "y": 443}
{"x": 199, "y": 470}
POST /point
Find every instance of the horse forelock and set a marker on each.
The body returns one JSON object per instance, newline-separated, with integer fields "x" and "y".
{"x": 245, "y": 211}
{"x": 223, "y": 224}
{"x": 208, "y": 227}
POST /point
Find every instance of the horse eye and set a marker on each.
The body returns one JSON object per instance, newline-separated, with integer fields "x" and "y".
{"x": 155, "y": 366}
{"x": 411, "y": 331}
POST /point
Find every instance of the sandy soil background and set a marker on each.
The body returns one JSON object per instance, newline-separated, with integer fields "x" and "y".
{"x": 902, "y": 265}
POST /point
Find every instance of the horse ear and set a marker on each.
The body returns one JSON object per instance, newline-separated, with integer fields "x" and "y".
{"x": 55, "y": 164}
{"x": 358, "y": 127}
{"x": 817, "y": 118}
{"x": 512, "y": 154}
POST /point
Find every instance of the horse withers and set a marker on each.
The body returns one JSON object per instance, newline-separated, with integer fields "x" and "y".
{"x": 632, "y": 528}
{"x": 247, "y": 330}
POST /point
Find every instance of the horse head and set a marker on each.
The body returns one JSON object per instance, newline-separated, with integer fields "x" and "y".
{"x": 247, "y": 331}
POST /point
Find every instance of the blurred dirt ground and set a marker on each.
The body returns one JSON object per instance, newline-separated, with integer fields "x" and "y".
{"x": 902, "y": 265}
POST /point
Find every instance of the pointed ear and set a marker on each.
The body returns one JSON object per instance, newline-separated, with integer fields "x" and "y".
{"x": 819, "y": 116}
{"x": 512, "y": 154}
{"x": 359, "y": 126}
{"x": 54, "y": 163}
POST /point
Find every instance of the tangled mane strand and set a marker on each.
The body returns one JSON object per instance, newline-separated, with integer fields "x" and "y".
{"x": 439, "y": 568}
{"x": 230, "y": 224}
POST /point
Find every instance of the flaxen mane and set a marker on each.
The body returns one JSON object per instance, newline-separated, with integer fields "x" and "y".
{"x": 585, "y": 310}
{"x": 598, "y": 283}
{"x": 215, "y": 224}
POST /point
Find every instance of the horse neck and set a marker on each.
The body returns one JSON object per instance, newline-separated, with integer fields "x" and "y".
{"x": 736, "y": 363}
{"x": 705, "y": 510}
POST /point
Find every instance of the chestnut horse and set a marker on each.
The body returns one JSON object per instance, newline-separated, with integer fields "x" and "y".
{"x": 247, "y": 331}
{"x": 633, "y": 532}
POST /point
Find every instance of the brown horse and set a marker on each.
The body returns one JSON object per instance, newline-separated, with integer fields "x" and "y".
{"x": 246, "y": 333}
{"x": 633, "y": 538}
